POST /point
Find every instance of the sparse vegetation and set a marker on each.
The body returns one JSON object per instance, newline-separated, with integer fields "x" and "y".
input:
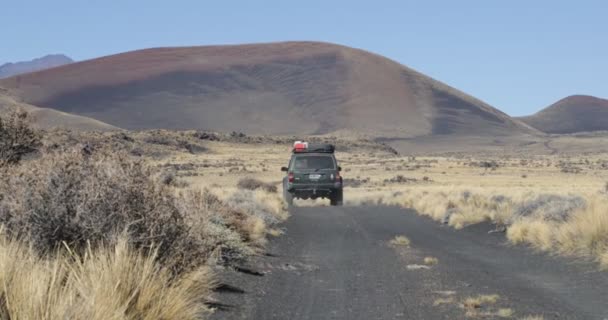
{"x": 17, "y": 139}
{"x": 479, "y": 305}
{"x": 443, "y": 301}
{"x": 532, "y": 318}
{"x": 91, "y": 232}
{"x": 400, "y": 241}
{"x": 431, "y": 261}
{"x": 549, "y": 210}
{"x": 504, "y": 312}
{"x": 480, "y": 300}
{"x": 254, "y": 184}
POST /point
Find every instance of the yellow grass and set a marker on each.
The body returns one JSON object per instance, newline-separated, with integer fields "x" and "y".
{"x": 505, "y": 312}
{"x": 400, "y": 241}
{"x": 537, "y": 233}
{"x": 480, "y": 300}
{"x": 110, "y": 283}
{"x": 442, "y": 301}
{"x": 275, "y": 232}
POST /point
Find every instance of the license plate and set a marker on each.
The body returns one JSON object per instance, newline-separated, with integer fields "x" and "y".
{"x": 314, "y": 176}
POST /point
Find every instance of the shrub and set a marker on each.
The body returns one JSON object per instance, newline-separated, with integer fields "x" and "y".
{"x": 549, "y": 207}
{"x": 92, "y": 200}
{"x": 399, "y": 179}
{"x": 80, "y": 199}
{"x": 254, "y": 184}
{"x": 355, "y": 182}
{"x": 16, "y": 137}
{"x": 214, "y": 226}
{"x": 492, "y": 164}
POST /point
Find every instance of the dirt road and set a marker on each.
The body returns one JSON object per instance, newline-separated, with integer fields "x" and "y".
{"x": 337, "y": 263}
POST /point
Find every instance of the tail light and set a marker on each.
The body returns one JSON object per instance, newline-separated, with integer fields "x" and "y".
{"x": 290, "y": 177}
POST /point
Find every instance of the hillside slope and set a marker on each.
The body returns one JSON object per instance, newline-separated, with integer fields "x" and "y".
{"x": 275, "y": 88}
{"x": 44, "y": 118}
{"x": 46, "y": 62}
{"x": 573, "y": 114}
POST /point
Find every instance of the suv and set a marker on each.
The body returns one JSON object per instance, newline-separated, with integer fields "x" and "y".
{"x": 313, "y": 172}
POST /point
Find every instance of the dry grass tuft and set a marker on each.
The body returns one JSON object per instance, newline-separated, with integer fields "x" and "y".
{"x": 275, "y": 232}
{"x": 505, "y": 312}
{"x": 431, "y": 260}
{"x": 479, "y": 301}
{"x": 400, "y": 241}
{"x": 417, "y": 267}
{"x": 115, "y": 282}
{"x": 443, "y": 301}
{"x": 538, "y": 233}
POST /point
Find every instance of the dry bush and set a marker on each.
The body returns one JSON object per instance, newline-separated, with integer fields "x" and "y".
{"x": 116, "y": 282}
{"x": 80, "y": 199}
{"x": 400, "y": 179}
{"x": 266, "y": 206}
{"x": 16, "y": 137}
{"x": 585, "y": 232}
{"x": 355, "y": 182}
{"x": 492, "y": 164}
{"x": 549, "y": 207}
{"x": 254, "y": 184}
{"x": 216, "y": 226}
{"x": 93, "y": 199}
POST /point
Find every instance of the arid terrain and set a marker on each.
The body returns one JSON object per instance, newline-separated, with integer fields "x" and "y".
{"x": 502, "y": 231}
{"x": 146, "y": 185}
{"x": 225, "y": 190}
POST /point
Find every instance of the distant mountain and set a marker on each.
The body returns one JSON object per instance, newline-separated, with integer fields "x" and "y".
{"x": 270, "y": 88}
{"x": 573, "y": 114}
{"x": 46, "y": 62}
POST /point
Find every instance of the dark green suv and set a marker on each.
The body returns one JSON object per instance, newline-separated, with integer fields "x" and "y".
{"x": 312, "y": 173}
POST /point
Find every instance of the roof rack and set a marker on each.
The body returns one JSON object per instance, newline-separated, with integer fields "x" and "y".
{"x": 305, "y": 147}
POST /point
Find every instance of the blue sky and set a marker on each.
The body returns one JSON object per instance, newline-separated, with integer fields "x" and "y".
{"x": 519, "y": 56}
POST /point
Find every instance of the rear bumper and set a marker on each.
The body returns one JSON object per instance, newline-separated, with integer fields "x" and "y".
{"x": 314, "y": 191}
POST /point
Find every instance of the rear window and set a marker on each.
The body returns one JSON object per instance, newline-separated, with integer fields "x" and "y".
{"x": 310, "y": 162}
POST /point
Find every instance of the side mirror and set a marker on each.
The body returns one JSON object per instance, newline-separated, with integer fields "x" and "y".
{"x": 284, "y": 169}
{"x": 339, "y": 168}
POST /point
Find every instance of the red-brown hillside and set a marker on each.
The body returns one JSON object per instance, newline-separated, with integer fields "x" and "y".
{"x": 573, "y": 114}
{"x": 275, "y": 88}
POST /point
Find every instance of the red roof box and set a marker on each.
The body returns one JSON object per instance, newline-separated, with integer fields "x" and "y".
{"x": 305, "y": 147}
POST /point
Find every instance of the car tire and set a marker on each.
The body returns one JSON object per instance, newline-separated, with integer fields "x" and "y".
{"x": 337, "y": 198}
{"x": 288, "y": 197}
